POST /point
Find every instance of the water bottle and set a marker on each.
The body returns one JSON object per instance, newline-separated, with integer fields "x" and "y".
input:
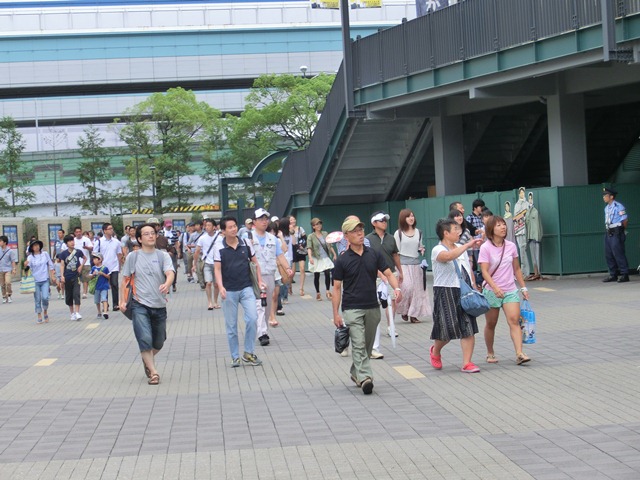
{"x": 263, "y": 298}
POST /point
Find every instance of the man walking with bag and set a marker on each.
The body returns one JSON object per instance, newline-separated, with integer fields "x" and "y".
{"x": 153, "y": 274}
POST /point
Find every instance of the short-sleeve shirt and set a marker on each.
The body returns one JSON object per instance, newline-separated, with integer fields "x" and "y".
{"x": 444, "y": 273}
{"x": 102, "y": 283}
{"x": 234, "y": 264}
{"x": 386, "y": 246}
{"x": 149, "y": 275}
{"x": 205, "y": 243}
{"x": 9, "y": 256}
{"x": 503, "y": 276}
{"x": 81, "y": 244}
{"x": 109, "y": 250}
{"x": 71, "y": 261}
{"x": 358, "y": 275}
{"x": 614, "y": 214}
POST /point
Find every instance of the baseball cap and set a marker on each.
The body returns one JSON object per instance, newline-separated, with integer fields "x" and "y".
{"x": 274, "y": 219}
{"x": 153, "y": 220}
{"x": 261, "y": 212}
{"x": 350, "y": 224}
{"x": 97, "y": 255}
{"x": 379, "y": 217}
{"x": 167, "y": 223}
{"x": 248, "y": 221}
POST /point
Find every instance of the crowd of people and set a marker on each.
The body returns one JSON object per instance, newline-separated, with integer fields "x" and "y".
{"x": 254, "y": 267}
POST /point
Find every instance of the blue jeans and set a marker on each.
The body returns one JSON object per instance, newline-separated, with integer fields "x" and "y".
{"x": 247, "y": 299}
{"x": 149, "y": 326}
{"x": 41, "y": 296}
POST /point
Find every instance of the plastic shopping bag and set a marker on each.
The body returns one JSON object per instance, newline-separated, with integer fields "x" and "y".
{"x": 527, "y": 323}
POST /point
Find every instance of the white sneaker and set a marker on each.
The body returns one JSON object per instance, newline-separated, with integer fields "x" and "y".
{"x": 84, "y": 295}
{"x": 389, "y": 332}
{"x": 73, "y": 316}
{"x": 99, "y": 316}
{"x": 4, "y": 300}
{"x": 9, "y": 300}
{"x": 376, "y": 355}
{"x": 78, "y": 316}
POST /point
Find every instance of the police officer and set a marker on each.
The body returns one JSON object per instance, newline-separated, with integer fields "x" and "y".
{"x": 615, "y": 220}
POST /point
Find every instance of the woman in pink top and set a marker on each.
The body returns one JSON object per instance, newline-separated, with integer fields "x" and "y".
{"x": 500, "y": 268}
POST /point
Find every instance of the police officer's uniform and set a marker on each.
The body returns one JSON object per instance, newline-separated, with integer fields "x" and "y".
{"x": 615, "y": 218}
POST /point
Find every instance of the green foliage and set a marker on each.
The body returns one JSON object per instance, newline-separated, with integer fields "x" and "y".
{"x": 94, "y": 172}
{"x": 30, "y": 229}
{"x": 216, "y": 156}
{"x": 15, "y": 173}
{"x": 74, "y": 221}
{"x": 168, "y": 125}
{"x": 118, "y": 226}
{"x": 138, "y": 137}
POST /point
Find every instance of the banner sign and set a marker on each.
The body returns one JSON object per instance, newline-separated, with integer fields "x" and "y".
{"x": 427, "y": 6}
{"x": 53, "y": 233}
{"x": 353, "y": 4}
{"x": 179, "y": 224}
{"x": 96, "y": 227}
{"x": 11, "y": 231}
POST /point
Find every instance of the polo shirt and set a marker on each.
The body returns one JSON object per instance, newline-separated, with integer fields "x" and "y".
{"x": 386, "y": 246}
{"x": 234, "y": 264}
{"x": 358, "y": 275}
{"x": 109, "y": 249}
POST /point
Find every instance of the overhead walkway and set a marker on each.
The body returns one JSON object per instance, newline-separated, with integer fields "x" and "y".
{"x": 483, "y": 95}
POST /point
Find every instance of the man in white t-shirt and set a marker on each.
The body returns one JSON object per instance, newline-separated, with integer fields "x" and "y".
{"x": 205, "y": 247}
{"x": 85, "y": 245}
{"x": 111, "y": 250}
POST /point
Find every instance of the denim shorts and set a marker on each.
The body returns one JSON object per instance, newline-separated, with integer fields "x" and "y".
{"x": 149, "y": 326}
{"x": 495, "y": 302}
{"x": 100, "y": 296}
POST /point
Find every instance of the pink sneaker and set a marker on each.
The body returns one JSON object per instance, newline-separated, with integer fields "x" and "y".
{"x": 470, "y": 368}
{"x": 436, "y": 362}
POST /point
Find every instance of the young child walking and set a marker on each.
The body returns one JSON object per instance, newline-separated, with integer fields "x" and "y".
{"x": 100, "y": 296}
{"x": 72, "y": 260}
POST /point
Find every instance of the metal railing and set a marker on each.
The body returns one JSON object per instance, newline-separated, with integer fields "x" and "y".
{"x": 468, "y": 29}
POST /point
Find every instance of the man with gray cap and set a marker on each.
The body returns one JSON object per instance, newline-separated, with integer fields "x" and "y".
{"x": 354, "y": 284}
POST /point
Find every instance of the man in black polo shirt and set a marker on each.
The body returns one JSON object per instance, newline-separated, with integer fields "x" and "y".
{"x": 231, "y": 266}
{"x": 358, "y": 269}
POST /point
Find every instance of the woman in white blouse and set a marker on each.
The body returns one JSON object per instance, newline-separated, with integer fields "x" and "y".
{"x": 42, "y": 270}
{"x": 415, "y": 301}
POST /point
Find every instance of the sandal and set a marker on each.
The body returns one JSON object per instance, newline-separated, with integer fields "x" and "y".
{"x": 405, "y": 318}
{"x": 522, "y": 358}
{"x": 301, "y": 292}
{"x": 318, "y": 297}
{"x": 329, "y": 295}
{"x": 154, "y": 379}
{"x": 217, "y": 306}
{"x": 492, "y": 359}
{"x": 414, "y": 320}
{"x": 273, "y": 323}
{"x": 46, "y": 319}
{"x": 147, "y": 372}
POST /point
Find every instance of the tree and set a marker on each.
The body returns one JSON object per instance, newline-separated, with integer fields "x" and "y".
{"x": 94, "y": 172}
{"x": 138, "y": 137}
{"x": 17, "y": 174}
{"x": 216, "y": 156}
{"x": 55, "y": 138}
{"x": 173, "y": 122}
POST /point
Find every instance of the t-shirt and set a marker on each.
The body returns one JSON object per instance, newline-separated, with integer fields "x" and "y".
{"x": 503, "y": 276}
{"x": 81, "y": 244}
{"x": 148, "y": 275}
{"x": 109, "y": 249}
{"x": 71, "y": 261}
{"x": 103, "y": 282}
{"x": 386, "y": 246}
{"x": 8, "y": 257}
{"x": 444, "y": 273}
{"x": 206, "y": 251}
{"x": 358, "y": 275}
{"x": 234, "y": 264}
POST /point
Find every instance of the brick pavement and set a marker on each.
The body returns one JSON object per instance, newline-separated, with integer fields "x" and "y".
{"x": 88, "y": 412}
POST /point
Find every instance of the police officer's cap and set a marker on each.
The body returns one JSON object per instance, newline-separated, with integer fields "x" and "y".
{"x": 609, "y": 191}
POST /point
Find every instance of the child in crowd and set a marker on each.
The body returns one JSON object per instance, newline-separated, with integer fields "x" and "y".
{"x": 100, "y": 297}
{"x": 72, "y": 261}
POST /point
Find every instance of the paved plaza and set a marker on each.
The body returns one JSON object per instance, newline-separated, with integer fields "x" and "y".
{"x": 75, "y": 404}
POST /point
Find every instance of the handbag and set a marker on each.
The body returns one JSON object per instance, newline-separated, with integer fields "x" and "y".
{"x": 253, "y": 273}
{"x": 286, "y": 279}
{"x": 527, "y": 322}
{"x": 341, "y": 339}
{"x": 27, "y": 284}
{"x": 472, "y": 301}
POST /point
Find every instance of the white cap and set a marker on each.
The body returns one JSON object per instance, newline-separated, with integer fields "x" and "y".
{"x": 379, "y": 216}
{"x": 274, "y": 219}
{"x": 261, "y": 212}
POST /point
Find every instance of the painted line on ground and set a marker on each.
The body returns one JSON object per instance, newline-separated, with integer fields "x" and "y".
{"x": 408, "y": 372}
{"x": 45, "y": 362}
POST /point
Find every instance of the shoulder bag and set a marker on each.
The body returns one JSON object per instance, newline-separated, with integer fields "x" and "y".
{"x": 472, "y": 301}
{"x": 253, "y": 273}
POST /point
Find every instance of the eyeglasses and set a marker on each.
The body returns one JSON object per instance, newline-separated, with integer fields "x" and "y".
{"x": 317, "y": 223}
{"x": 148, "y": 234}
{"x": 381, "y": 221}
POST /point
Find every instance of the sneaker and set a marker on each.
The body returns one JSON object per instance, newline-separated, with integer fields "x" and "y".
{"x": 280, "y": 313}
{"x": 78, "y": 316}
{"x": 105, "y": 316}
{"x": 367, "y": 386}
{"x": 389, "y": 332}
{"x": 470, "y": 368}
{"x": 436, "y": 362}
{"x": 72, "y": 316}
{"x": 345, "y": 352}
{"x": 235, "y": 362}
{"x": 99, "y": 316}
{"x": 376, "y": 355}
{"x": 4, "y": 300}
{"x": 251, "y": 359}
{"x": 264, "y": 340}
{"x": 9, "y": 300}
{"x": 84, "y": 295}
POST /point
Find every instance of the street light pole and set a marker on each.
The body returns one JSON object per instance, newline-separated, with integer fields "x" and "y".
{"x": 153, "y": 186}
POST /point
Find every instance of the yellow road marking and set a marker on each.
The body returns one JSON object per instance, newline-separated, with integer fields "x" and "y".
{"x": 408, "y": 372}
{"x": 544, "y": 289}
{"x": 45, "y": 362}
{"x": 92, "y": 326}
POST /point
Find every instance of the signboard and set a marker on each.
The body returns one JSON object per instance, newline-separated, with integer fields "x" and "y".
{"x": 11, "y": 231}
{"x": 135, "y": 223}
{"x": 96, "y": 227}
{"x": 179, "y": 224}
{"x": 427, "y": 6}
{"x": 353, "y": 4}
{"x": 53, "y": 234}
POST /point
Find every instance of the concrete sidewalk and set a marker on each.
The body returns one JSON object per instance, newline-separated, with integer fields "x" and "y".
{"x": 75, "y": 403}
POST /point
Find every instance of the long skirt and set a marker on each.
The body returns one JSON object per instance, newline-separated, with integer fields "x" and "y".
{"x": 450, "y": 321}
{"x": 415, "y": 300}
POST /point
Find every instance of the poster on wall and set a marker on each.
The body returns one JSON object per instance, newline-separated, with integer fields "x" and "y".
{"x": 135, "y": 223}
{"x": 96, "y": 227}
{"x": 11, "y": 231}
{"x": 427, "y": 6}
{"x": 353, "y": 4}
{"x": 53, "y": 234}
{"x": 179, "y": 224}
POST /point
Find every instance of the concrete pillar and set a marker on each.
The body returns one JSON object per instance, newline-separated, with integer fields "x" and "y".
{"x": 449, "y": 155}
{"x": 567, "y": 140}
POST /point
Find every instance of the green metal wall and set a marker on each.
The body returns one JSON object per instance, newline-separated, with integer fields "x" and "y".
{"x": 572, "y": 221}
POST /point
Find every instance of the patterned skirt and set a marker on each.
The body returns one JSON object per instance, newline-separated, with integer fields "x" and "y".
{"x": 450, "y": 321}
{"x": 415, "y": 300}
